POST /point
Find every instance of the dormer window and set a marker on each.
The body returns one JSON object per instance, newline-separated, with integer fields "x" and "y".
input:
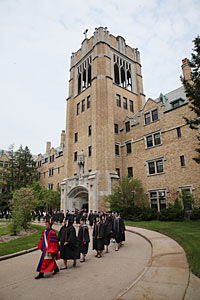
{"x": 177, "y": 103}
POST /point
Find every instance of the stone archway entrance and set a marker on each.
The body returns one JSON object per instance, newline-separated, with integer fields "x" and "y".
{"x": 78, "y": 198}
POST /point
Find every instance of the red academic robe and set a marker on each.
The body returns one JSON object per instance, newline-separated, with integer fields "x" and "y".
{"x": 48, "y": 264}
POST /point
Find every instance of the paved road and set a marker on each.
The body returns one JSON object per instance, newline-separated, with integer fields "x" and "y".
{"x": 98, "y": 279}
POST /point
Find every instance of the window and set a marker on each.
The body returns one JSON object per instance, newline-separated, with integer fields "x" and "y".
{"x": 118, "y": 99}
{"x": 118, "y": 171}
{"x": 84, "y": 74}
{"x": 116, "y": 149}
{"x": 155, "y": 167}
{"x": 147, "y": 118}
{"x": 51, "y": 159}
{"x": 76, "y": 137}
{"x": 58, "y": 170}
{"x": 182, "y": 158}
{"x": 1, "y": 164}
{"x": 175, "y": 104}
{"x": 158, "y": 199}
{"x": 178, "y": 132}
{"x": 116, "y": 129}
{"x": 78, "y": 109}
{"x": 131, "y": 106}
{"x": 83, "y": 105}
{"x": 128, "y": 148}
{"x": 75, "y": 156}
{"x": 151, "y": 116}
{"x": 154, "y": 115}
{"x": 46, "y": 160}
{"x": 89, "y": 130}
{"x": 125, "y": 103}
{"x": 90, "y": 151}
{"x": 127, "y": 125}
{"x": 50, "y": 186}
{"x": 50, "y": 172}
{"x": 39, "y": 163}
{"x": 153, "y": 140}
{"x": 130, "y": 172}
{"x": 88, "y": 102}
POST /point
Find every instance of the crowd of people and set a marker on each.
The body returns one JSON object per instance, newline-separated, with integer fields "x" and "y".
{"x": 107, "y": 227}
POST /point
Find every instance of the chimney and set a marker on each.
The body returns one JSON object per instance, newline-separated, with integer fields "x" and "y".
{"x": 186, "y": 69}
{"x": 48, "y": 147}
{"x": 62, "y": 140}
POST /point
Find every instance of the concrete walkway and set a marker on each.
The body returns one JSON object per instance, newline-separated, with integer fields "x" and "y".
{"x": 149, "y": 266}
{"x": 97, "y": 279}
{"x": 168, "y": 275}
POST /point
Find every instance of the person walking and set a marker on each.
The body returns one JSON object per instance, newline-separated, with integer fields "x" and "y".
{"x": 83, "y": 238}
{"x": 118, "y": 228}
{"x": 48, "y": 244}
{"x": 68, "y": 243}
{"x": 98, "y": 237}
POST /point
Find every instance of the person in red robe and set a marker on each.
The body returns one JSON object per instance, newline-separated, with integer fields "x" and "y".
{"x": 48, "y": 244}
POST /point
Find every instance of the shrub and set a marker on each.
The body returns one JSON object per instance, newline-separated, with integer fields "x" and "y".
{"x": 195, "y": 214}
{"x": 174, "y": 212}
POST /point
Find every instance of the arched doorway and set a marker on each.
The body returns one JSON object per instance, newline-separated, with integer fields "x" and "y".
{"x": 78, "y": 198}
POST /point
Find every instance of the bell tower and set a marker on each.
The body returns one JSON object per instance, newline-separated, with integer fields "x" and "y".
{"x": 105, "y": 86}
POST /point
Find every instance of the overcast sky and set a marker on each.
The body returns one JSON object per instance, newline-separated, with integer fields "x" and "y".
{"x": 37, "y": 38}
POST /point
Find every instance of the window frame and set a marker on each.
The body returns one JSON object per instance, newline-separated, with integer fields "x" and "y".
{"x": 125, "y": 103}
{"x": 150, "y": 118}
{"x": 117, "y": 149}
{"x": 157, "y": 197}
{"x": 118, "y": 100}
{"x": 116, "y": 128}
{"x": 152, "y": 135}
{"x": 128, "y": 151}
{"x": 155, "y": 166}
{"x": 127, "y": 126}
{"x": 131, "y": 105}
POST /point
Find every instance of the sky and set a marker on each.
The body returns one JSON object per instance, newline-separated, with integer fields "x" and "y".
{"x": 37, "y": 38}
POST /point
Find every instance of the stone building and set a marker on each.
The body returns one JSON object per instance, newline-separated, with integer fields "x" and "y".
{"x": 50, "y": 165}
{"x": 111, "y": 131}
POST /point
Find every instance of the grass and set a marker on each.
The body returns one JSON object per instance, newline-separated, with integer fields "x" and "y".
{"x": 22, "y": 243}
{"x": 186, "y": 233}
{"x": 4, "y": 229}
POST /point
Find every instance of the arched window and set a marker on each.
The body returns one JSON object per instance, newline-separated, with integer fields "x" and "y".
{"x": 84, "y": 80}
{"x": 79, "y": 83}
{"x": 129, "y": 81}
{"x": 116, "y": 74}
{"x": 89, "y": 75}
{"x": 123, "y": 80}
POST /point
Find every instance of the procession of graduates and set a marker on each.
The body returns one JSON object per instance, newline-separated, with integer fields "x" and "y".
{"x": 67, "y": 245}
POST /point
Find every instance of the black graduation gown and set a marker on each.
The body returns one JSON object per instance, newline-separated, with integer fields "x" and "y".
{"x": 118, "y": 228}
{"x": 91, "y": 219}
{"x": 108, "y": 232}
{"x": 98, "y": 236}
{"x": 83, "y": 238}
{"x": 71, "y": 250}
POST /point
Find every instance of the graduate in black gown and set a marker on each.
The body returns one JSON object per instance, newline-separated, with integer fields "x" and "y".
{"x": 98, "y": 237}
{"x": 118, "y": 229}
{"x": 69, "y": 247}
{"x": 83, "y": 238}
{"x": 91, "y": 218}
{"x": 108, "y": 231}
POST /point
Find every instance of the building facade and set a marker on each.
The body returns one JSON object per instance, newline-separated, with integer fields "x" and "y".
{"x": 112, "y": 132}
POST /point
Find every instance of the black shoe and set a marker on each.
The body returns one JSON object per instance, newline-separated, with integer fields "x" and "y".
{"x": 40, "y": 275}
{"x": 56, "y": 271}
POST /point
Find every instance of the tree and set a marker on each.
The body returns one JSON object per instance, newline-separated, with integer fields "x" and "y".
{"x": 127, "y": 194}
{"x": 45, "y": 199}
{"x": 192, "y": 88}
{"x": 21, "y": 171}
{"x": 22, "y": 204}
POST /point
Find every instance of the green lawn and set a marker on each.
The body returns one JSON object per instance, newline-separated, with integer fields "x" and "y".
{"x": 22, "y": 243}
{"x": 4, "y": 229}
{"x": 186, "y": 233}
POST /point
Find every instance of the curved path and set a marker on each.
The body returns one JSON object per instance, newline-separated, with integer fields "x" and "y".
{"x": 106, "y": 278}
